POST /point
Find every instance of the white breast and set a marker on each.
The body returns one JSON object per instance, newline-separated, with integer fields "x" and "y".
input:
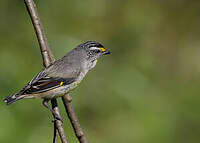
{"x": 92, "y": 64}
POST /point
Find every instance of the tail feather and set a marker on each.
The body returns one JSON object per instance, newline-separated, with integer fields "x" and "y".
{"x": 11, "y": 99}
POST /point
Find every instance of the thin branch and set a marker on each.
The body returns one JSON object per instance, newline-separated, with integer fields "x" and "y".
{"x": 47, "y": 56}
{"x": 67, "y": 101}
{"x": 55, "y": 133}
{"x": 58, "y": 122}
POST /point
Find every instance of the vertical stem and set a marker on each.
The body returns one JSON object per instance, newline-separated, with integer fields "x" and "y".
{"x": 55, "y": 133}
{"x": 47, "y": 55}
{"x": 67, "y": 101}
{"x": 58, "y": 122}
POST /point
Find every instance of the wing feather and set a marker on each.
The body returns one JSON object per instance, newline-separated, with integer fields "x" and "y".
{"x": 50, "y": 77}
{"x": 42, "y": 83}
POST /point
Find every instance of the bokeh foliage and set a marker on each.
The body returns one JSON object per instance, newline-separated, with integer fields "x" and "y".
{"x": 145, "y": 92}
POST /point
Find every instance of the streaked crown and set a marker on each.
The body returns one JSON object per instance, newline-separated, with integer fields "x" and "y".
{"x": 90, "y": 44}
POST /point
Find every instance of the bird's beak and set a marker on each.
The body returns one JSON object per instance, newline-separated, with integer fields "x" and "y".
{"x": 105, "y": 51}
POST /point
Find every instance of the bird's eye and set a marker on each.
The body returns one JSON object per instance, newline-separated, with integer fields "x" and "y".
{"x": 97, "y": 51}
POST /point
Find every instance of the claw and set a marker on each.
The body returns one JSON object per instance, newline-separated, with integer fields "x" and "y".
{"x": 55, "y": 115}
{"x": 57, "y": 118}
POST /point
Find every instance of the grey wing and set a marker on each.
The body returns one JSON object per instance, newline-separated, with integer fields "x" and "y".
{"x": 57, "y": 74}
{"x": 47, "y": 83}
{"x": 65, "y": 70}
{"x": 65, "y": 67}
{"x": 34, "y": 80}
{"x": 42, "y": 83}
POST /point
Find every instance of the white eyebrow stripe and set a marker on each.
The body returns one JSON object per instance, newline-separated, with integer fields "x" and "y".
{"x": 94, "y": 48}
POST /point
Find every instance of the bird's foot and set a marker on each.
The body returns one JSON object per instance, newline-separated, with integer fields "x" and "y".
{"x": 57, "y": 118}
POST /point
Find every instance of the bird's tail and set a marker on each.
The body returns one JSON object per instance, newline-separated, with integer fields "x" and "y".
{"x": 13, "y": 98}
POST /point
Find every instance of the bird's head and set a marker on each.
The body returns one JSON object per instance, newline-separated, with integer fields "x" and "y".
{"x": 93, "y": 50}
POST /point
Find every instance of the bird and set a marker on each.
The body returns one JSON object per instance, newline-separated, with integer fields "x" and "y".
{"x": 63, "y": 75}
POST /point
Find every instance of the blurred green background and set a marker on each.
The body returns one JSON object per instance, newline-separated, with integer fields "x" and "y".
{"x": 146, "y": 91}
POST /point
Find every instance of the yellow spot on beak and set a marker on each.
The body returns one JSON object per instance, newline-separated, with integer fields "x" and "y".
{"x": 103, "y": 49}
{"x": 61, "y": 83}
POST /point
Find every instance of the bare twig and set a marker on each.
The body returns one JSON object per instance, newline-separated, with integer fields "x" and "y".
{"x": 47, "y": 56}
{"x": 67, "y": 101}
{"x": 54, "y": 124}
{"x": 58, "y": 122}
{"x": 55, "y": 134}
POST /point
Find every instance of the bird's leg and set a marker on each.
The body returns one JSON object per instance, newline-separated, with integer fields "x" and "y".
{"x": 56, "y": 116}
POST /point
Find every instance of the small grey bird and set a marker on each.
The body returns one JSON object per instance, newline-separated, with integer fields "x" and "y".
{"x": 63, "y": 75}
